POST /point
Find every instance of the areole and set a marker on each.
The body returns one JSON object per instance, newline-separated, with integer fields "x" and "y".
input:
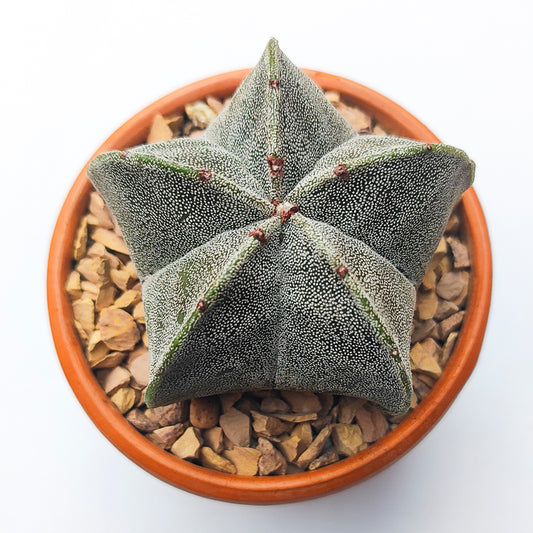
{"x": 278, "y": 488}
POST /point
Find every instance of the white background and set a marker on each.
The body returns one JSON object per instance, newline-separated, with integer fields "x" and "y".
{"x": 72, "y": 72}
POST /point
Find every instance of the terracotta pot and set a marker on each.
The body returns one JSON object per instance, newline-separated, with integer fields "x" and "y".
{"x": 280, "y": 488}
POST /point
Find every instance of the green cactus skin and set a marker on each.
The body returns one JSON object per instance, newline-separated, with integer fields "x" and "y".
{"x": 281, "y": 250}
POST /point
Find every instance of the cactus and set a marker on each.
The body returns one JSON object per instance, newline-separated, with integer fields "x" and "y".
{"x": 282, "y": 249}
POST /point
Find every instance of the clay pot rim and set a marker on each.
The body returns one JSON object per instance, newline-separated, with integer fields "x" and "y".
{"x": 291, "y": 487}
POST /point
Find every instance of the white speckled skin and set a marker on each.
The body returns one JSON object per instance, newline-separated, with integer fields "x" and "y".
{"x": 282, "y": 250}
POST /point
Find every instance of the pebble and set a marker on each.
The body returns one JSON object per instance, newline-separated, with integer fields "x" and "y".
{"x": 236, "y": 427}
{"x": 200, "y": 114}
{"x": 314, "y": 449}
{"x": 127, "y": 299}
{"x": 110, "y": 360}
{"x": 97, "y": 249}
{"x": 348, "y": 406}
{"x": 101, "y": 213}
{"x": 227, "y": 401}
{"x": 119, "y": 330}
{"x": 269, "y": 425}
{"x": 110, "y": 240}
{"x": 460, "y": 301}
{"x": 73, "y": 285}
{"x": 305, "y": 435}
{"x": 347, "y": 438}
{"x": 420, "y": 388}
{"x": 290, "y": 446}
{"x": 83, "y": 310}
{"x": 124, "y": 399}
{"x": 138, "y": 313}
{"x": 450, "y": 324}
{"x": 427, "y": 303}
{"x": 159, "y": 130}
{"x": 94, "y": 269}
{"x": 357, "y": 118}
{"x": 321, "y": 422}
{"x": 425, "y": 378}
{"x": 326, "y": 402}
{"x": 448, "y": 347}
{"x": 327, "y": 458}
{"x": 215, "y": 104}
{"x": 461, "y": 257}
{"x": 166, "y": 436}
{"x": 451, "y": 285}
{"x": 296, "y": 417}
{"x": 271, "y": 460}
{"x": 381, "y": 426}
{"x": 214, "y": 438}
{"x": 302, "y": 401}
{"x": 453, "y": 224}
{"x": 213, "y": 460}
{"x": 378, "y": 130}
{"x": 333, "y": 96}
{"x": 228, "y": 445}
{"x": 121, "y": 278}
{"x": 139, "y": 366}
{"x": 140, "y": 421}
{"x": 96, "y": 349}
{"x": 445, "y": 309}
{"x": 188, "y": 445}
{"x": 430, "y": 281}
{"x": 272, "y": 404}
{"x": 169, "y": 415}
{"x": 246, "y": 404}
{"x": 204, "y": 412}
{"x": 105, "y": 296}
{"x": 113, "y": 379}
{"x": 246, "y": 460}
{"x": 445, "y": 265}
{"x": 79, "y": 246}
{"x": 422, "y": 330}
{"x": 424, "y": 357}
{"x": 89, "y": 290}
{"x": 372, "y": 423}
{"x": 441, "y": 251}
{"x": 175, "y": 122}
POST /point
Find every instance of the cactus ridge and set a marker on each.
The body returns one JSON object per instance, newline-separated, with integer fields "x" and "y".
{"x": 281, "y": 250}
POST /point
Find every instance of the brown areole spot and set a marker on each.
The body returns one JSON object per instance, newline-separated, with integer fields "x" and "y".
{"x": 204, "y": 175}
{"x": 341, "y": 172}
{"x": 275, "y": 165}
{"x": 259, "y": 234}
{"x": 286, "y": 211}
{"x": 341, "y": 271}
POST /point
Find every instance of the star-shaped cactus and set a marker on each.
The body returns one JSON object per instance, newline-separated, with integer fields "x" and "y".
{"x": 281, "y": 250}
